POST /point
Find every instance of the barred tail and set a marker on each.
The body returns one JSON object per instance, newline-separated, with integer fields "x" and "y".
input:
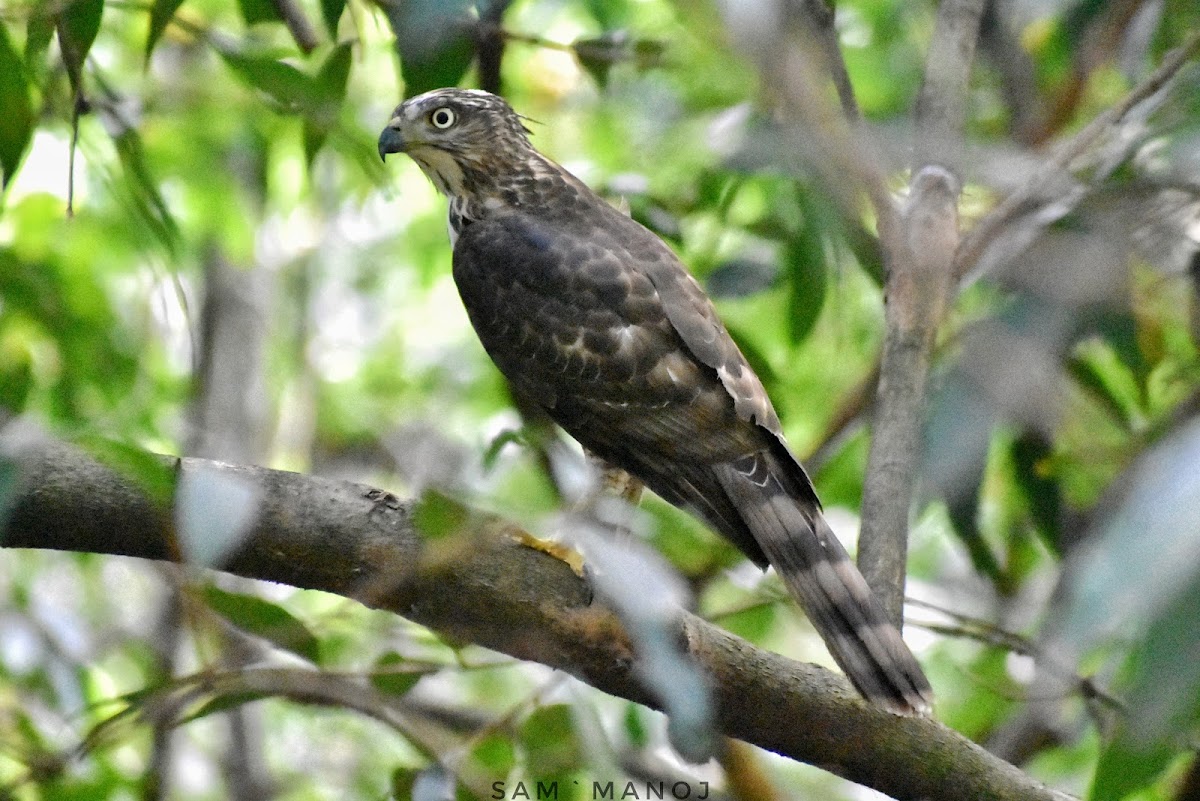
{"x": 789, "y": 527}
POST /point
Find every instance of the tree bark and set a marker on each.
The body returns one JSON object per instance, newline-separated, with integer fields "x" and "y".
{"x": 489, "y": 587}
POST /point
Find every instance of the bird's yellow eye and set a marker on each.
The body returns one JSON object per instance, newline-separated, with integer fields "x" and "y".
{"x": 443, "y": 117}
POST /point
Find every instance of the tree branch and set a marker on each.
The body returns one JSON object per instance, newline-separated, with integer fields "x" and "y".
{"x": 494, "y": 590}
{"x": 918, "y": 286}
{"x": 297, "y": 24}
{"x": 1060, "y": 159}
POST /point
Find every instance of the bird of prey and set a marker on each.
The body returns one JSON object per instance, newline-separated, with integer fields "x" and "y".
{"x": 594, "y": 319}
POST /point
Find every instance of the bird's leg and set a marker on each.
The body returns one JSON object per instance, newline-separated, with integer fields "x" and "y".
{"x": 617, "y": 493}
{"x": 615, "y": 482}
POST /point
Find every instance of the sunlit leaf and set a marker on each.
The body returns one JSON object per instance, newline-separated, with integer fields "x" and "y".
{"x": 161, "y": 14}
{"x": 611, "y": 14}
{"x": 1092, "y": 379}
{"x": 264, "y": 619}
{"x": 1120, "y": 331}
{"x": 752, "y": 623}
{"x": 496, "y": 753}
{"x": 77, "y": 26}
{"x": 550, "y": 742}
{"x": 16, "y": 124}
{"x": 438, "y": 515}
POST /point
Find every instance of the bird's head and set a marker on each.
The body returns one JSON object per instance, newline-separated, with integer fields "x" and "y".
{"x": 459, "y": 137}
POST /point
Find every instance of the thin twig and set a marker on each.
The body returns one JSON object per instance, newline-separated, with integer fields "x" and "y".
{"x": 988, "y": 633}
{"x": 823, "y": 19}
{"x": 976, "y": 241}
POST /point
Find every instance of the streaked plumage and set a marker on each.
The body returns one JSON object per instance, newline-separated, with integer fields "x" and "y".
{"x": 593, "y": 318}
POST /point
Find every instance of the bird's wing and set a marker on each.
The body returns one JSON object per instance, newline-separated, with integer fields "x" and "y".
{"x": 575, "y": 322}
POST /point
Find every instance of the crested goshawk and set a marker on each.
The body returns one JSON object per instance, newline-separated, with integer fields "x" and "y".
{"x": 594, "y": 319}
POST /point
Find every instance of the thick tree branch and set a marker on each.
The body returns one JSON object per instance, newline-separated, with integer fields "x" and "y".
{"x": 921, "y": 257}
{"x": 494, "y": 590}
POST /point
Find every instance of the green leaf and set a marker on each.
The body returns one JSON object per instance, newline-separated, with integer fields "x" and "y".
{"x": 265, "y": 619}
{"x": 1032, "y": 453}
{"x": 387, "y": 678}
{"x": 1096, "y": 383}
{"x": 255, "y": 11}
{"x": 331, "y": 12}
{"x": 598, "y": 55}
{"x": 161, "y": 14}
{"x": 751, "y": 623}
{"x": 962, "y": 498}
{"x": 496, "y": 753}
{"x": 805, "y": 260}
{"x": 635, "y": 728}
{"x": 223, "y": 703}
{"x": 437, "y": 515}
{"x": 609, "y": 13}
{"x": 502, "y": 440}
{"x": 153, "y": 474}
{"x": 1163, "y": 702}
{"x": 77, "y": 26}
{"x": 289, "y": 88}
{"x": 435, "y": 41}
{"x": 16, "y": 124}
{"x": 1120, "y": 331}
{"x": 550, "y": 742}
{"x": 330, "y": 86}
{"x": 144, "y": 189}
{"x": 38, "y": 33}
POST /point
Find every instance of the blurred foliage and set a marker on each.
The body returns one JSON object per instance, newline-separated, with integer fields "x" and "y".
{"x": 142, "y": 142}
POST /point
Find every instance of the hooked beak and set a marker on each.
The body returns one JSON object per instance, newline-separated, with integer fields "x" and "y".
{"x": 390, "y": 141}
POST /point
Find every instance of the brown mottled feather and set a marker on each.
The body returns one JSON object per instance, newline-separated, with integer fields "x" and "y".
{"x": 592, "y": 317}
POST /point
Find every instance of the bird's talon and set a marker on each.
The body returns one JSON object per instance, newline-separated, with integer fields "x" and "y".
{"x": 562, "y": 553}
